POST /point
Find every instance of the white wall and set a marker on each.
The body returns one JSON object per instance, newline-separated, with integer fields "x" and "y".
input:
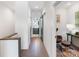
{"x": 49, "y": 30}
{"x": 6, "y": 21}
{"x": 63, "y": 21}
{"x": 7, "y": 27}
{"x": 71, "y": 13}
{"x": 10, "y": 23}
{"x": 22, "y": 25}
{"x": 9, "y": 48}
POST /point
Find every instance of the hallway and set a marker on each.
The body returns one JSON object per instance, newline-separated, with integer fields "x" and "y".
{"x": 30, "y": 20}
{"x": 36, "y": 49}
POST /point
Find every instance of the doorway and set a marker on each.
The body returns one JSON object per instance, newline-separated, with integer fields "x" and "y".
{"x": 37, "y": 27}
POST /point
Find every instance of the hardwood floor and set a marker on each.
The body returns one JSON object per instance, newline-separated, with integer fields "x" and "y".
{"x": 36, "y": 49}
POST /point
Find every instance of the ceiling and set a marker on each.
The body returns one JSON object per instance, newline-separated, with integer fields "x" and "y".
{"x": 9, "y": 4}
{"x": 66, "y": 4}
{"x": 36, "y": 5}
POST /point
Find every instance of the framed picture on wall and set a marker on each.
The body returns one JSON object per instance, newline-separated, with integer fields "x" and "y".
{"x": 77, "y": 19}
{"x": 57, "y": 22}
{"x": 58, "y": 18}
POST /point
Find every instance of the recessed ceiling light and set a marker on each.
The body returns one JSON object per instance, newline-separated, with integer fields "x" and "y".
{"x": 36, "y": 7}
{"x": 68, "y": 4}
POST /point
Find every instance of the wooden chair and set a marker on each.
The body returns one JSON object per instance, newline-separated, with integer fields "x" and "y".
{"x": 62, "y": 44}
{"x": 58, "y": 38}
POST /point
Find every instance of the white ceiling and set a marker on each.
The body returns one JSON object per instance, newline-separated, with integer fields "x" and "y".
{"x": 40, "y": 4}
{"x": 66, "y": 4}
{"x": 34, "y": 4}
{"x": 37, "y": 7}
{"x": 9, "y": 4}
{"x": 36, "y": 12}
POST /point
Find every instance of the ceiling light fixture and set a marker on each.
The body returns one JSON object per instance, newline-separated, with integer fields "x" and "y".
{"x": 68, "y": 4}
{"x": 36, "y": 7}
{"x": 43, "y": 11}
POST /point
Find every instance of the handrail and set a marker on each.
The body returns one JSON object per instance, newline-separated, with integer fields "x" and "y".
{"x": 11, "y": 38}
{"x": 8, "y": 36}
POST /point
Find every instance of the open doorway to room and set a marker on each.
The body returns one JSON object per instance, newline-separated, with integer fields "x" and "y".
{"x": 67, "y": 29}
